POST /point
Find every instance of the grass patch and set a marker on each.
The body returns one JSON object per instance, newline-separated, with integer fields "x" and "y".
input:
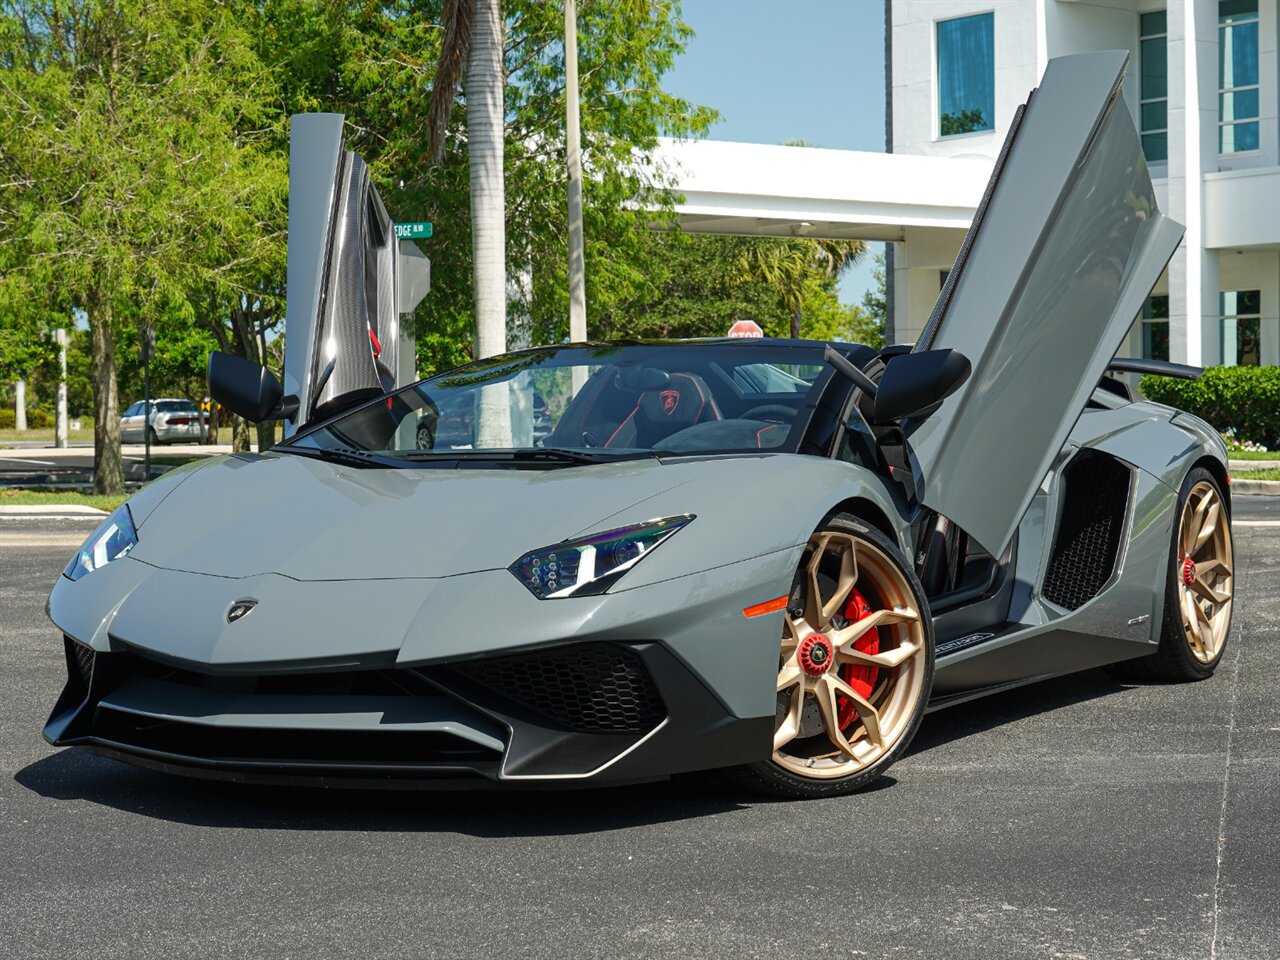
{"x": 19, "y": 496}
{"x": 44, "y": 434}
{"x": 1271, "y": 474}
{"x": 1252, "y": 455}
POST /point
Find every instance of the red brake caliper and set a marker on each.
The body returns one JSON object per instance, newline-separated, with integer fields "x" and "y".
{"x": 862, "y": 679}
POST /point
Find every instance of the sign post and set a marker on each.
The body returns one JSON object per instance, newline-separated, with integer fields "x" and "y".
{"x": 146, "y": 346}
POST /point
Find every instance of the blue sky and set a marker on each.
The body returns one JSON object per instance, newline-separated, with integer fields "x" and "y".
{"x": 780, "y": 70}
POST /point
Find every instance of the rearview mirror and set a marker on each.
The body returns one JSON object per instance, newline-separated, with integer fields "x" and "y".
{"x": 247, "y": 389}
{"x": 913, "y": 384}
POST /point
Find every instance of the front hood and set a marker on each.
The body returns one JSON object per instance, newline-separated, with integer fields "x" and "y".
{"x": 246, "y": 515}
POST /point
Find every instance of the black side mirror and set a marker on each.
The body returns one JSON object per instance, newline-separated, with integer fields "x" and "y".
{"x": 247, "y": 389}
{"x": 913, "y": 384}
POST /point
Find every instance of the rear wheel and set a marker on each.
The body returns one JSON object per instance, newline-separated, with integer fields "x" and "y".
{"x": 1199, "y": 588}
{"x": 855, "y": 665}
{"x": 153, "y": 437}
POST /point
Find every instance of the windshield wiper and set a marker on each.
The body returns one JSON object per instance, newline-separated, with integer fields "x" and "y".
{"x": 536, "y": 454}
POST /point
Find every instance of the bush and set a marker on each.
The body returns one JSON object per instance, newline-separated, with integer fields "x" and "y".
{"x": 8, "y": 418}
{"x": 1243, "y": 399}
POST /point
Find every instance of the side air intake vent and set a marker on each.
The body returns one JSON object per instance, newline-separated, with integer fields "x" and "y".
{"x": 79, "y": 661}
{"x": 1095, "y": 498}
{"x": 588, "y": 688}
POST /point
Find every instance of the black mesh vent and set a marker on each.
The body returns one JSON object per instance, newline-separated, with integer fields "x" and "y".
{"x": 81, "y": 660}
{"x": 589, "y": 688}
{"x": 1095, "y": 497}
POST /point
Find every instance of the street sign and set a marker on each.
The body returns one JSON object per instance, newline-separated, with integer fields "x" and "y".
{"x": 413, "y": 231}
{"x": 746, "y": 328}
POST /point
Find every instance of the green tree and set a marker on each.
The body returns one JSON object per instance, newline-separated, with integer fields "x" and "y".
{"x": 136, "y": 155}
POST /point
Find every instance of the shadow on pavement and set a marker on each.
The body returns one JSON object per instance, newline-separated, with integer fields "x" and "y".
{"x": 979, "y": 716}
{"x": 71, "y": 775}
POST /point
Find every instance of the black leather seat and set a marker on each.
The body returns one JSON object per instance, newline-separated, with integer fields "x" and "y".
{"x": 685, "y": 400}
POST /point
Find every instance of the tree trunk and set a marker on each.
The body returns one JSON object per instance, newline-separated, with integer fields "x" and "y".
{"x": 484, "y": 86}
{"x": 796, "y": 316}
{"x": 485, "y": 80}
{"x": 573, "y": 158}
{"x": 266, "y": 435}
{"x": 239, "y": 435}
{"x": 108, "y": 467}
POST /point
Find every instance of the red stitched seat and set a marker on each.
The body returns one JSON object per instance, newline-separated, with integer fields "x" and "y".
{"x": 685, "y": 400}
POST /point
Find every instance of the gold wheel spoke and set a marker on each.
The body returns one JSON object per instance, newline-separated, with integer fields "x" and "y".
{"x": 844, "y": 639}
{"x": 813, "y": 596}
{"x": 789, "y": 674}
{"x": 1216, "y": 565}
{"x": 790, "y": 726}
{"x": 844, "y": 584}
{"x": 1208, "y": 522}
{"x": 1206, "y": 592}
{"x": 889, "y": 659}
{"x": 824, "y": 690}
{"x": 1189, "y": 611}
{"x": 791, "y": 635}
{"x": 868, "y": 714}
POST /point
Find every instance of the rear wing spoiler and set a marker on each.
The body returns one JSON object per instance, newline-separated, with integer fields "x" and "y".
{"x": 1158, "y": 368}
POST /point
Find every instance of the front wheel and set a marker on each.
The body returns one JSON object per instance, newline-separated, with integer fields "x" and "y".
{"x": 855, "y": 665}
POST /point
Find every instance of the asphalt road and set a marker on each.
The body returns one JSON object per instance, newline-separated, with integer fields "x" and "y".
{"x": 1080, "y": 818}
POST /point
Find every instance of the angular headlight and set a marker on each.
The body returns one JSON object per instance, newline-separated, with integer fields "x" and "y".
{"x": 112, "y": 540}
{"x": 591, "y": 565}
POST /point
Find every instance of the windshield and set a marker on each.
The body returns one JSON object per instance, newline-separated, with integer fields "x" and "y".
{"x": 598, "y": 402}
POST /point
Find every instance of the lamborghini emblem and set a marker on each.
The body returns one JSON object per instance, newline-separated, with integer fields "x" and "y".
{"x": 670, "y": 400}
{"x": 240, "y": 609}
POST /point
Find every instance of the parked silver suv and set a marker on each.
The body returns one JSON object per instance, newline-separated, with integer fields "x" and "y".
{"x": 172, "y": 421}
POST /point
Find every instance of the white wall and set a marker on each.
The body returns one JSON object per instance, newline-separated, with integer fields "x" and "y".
{"x": 915, "y": 107}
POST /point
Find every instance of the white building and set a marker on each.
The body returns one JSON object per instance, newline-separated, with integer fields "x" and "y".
{"x": 1202, "y": 85}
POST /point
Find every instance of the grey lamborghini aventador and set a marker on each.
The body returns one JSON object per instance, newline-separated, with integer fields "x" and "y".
{"x": 593, "y": 561}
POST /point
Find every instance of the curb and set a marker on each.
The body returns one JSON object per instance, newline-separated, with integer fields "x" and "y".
{"x": 1243, "y": 466}
{"x": 1266, "y": 488}
{"x": 57, "y": 511}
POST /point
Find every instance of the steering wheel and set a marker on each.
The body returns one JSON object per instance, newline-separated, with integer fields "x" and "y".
{"x": 768, "y": 411}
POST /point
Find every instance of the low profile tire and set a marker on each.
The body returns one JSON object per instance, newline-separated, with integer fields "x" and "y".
{"x": 424, "y": 438}
{"x": 855, "y": 666}
{"x": 1199, "y": 588}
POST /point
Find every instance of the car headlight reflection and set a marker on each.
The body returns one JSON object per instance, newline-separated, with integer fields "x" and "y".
{"x": 114, "y": 538}
{"x": 591, "y": 565}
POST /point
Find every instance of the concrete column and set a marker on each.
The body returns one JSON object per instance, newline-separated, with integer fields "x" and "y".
{"x": 1193, "y": 151}
{"x": 20, "y": 405}
{"x": 60, "y": 423}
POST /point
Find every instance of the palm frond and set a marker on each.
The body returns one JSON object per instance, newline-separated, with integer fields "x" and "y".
{"x": 454, "y": 49}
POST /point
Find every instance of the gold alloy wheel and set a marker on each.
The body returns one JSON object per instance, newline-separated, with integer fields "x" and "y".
{"x": 826, "y": 728}
{"x": 1204, "y": 571}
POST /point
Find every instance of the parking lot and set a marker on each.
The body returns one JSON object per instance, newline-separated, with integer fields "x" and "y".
{"x": 1080, "y": 818}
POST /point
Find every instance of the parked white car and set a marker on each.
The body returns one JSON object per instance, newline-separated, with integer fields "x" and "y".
{"x": 172, "y": 421}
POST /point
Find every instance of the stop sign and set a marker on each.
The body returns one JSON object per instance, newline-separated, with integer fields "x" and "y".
{"x": 746, "y": 328}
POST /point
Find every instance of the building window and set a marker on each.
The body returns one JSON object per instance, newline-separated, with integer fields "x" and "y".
{"x": 1241, "y": 312}
{"x": 1237, "y": 76}
{"x": 1153, "y": 86}
{"x": 966, "y": 74}
{"x": 1155, "y": 328}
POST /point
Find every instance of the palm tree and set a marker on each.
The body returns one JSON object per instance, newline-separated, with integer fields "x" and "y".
{"x": 787, "y": 264}
{"x": 573, "y": 159}
{"x": 473, "y": 38}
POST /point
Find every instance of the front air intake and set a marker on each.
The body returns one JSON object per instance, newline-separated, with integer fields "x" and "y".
{"x": 1095, "y": 499}
{"x": 586, "y": 688}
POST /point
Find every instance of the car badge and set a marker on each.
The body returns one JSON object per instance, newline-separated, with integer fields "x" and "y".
{"x": 240, "y": 609}
{"x": 670, "y": 400}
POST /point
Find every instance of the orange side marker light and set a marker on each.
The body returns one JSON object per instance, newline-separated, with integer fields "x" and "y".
{"x": 769, "y": 606}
